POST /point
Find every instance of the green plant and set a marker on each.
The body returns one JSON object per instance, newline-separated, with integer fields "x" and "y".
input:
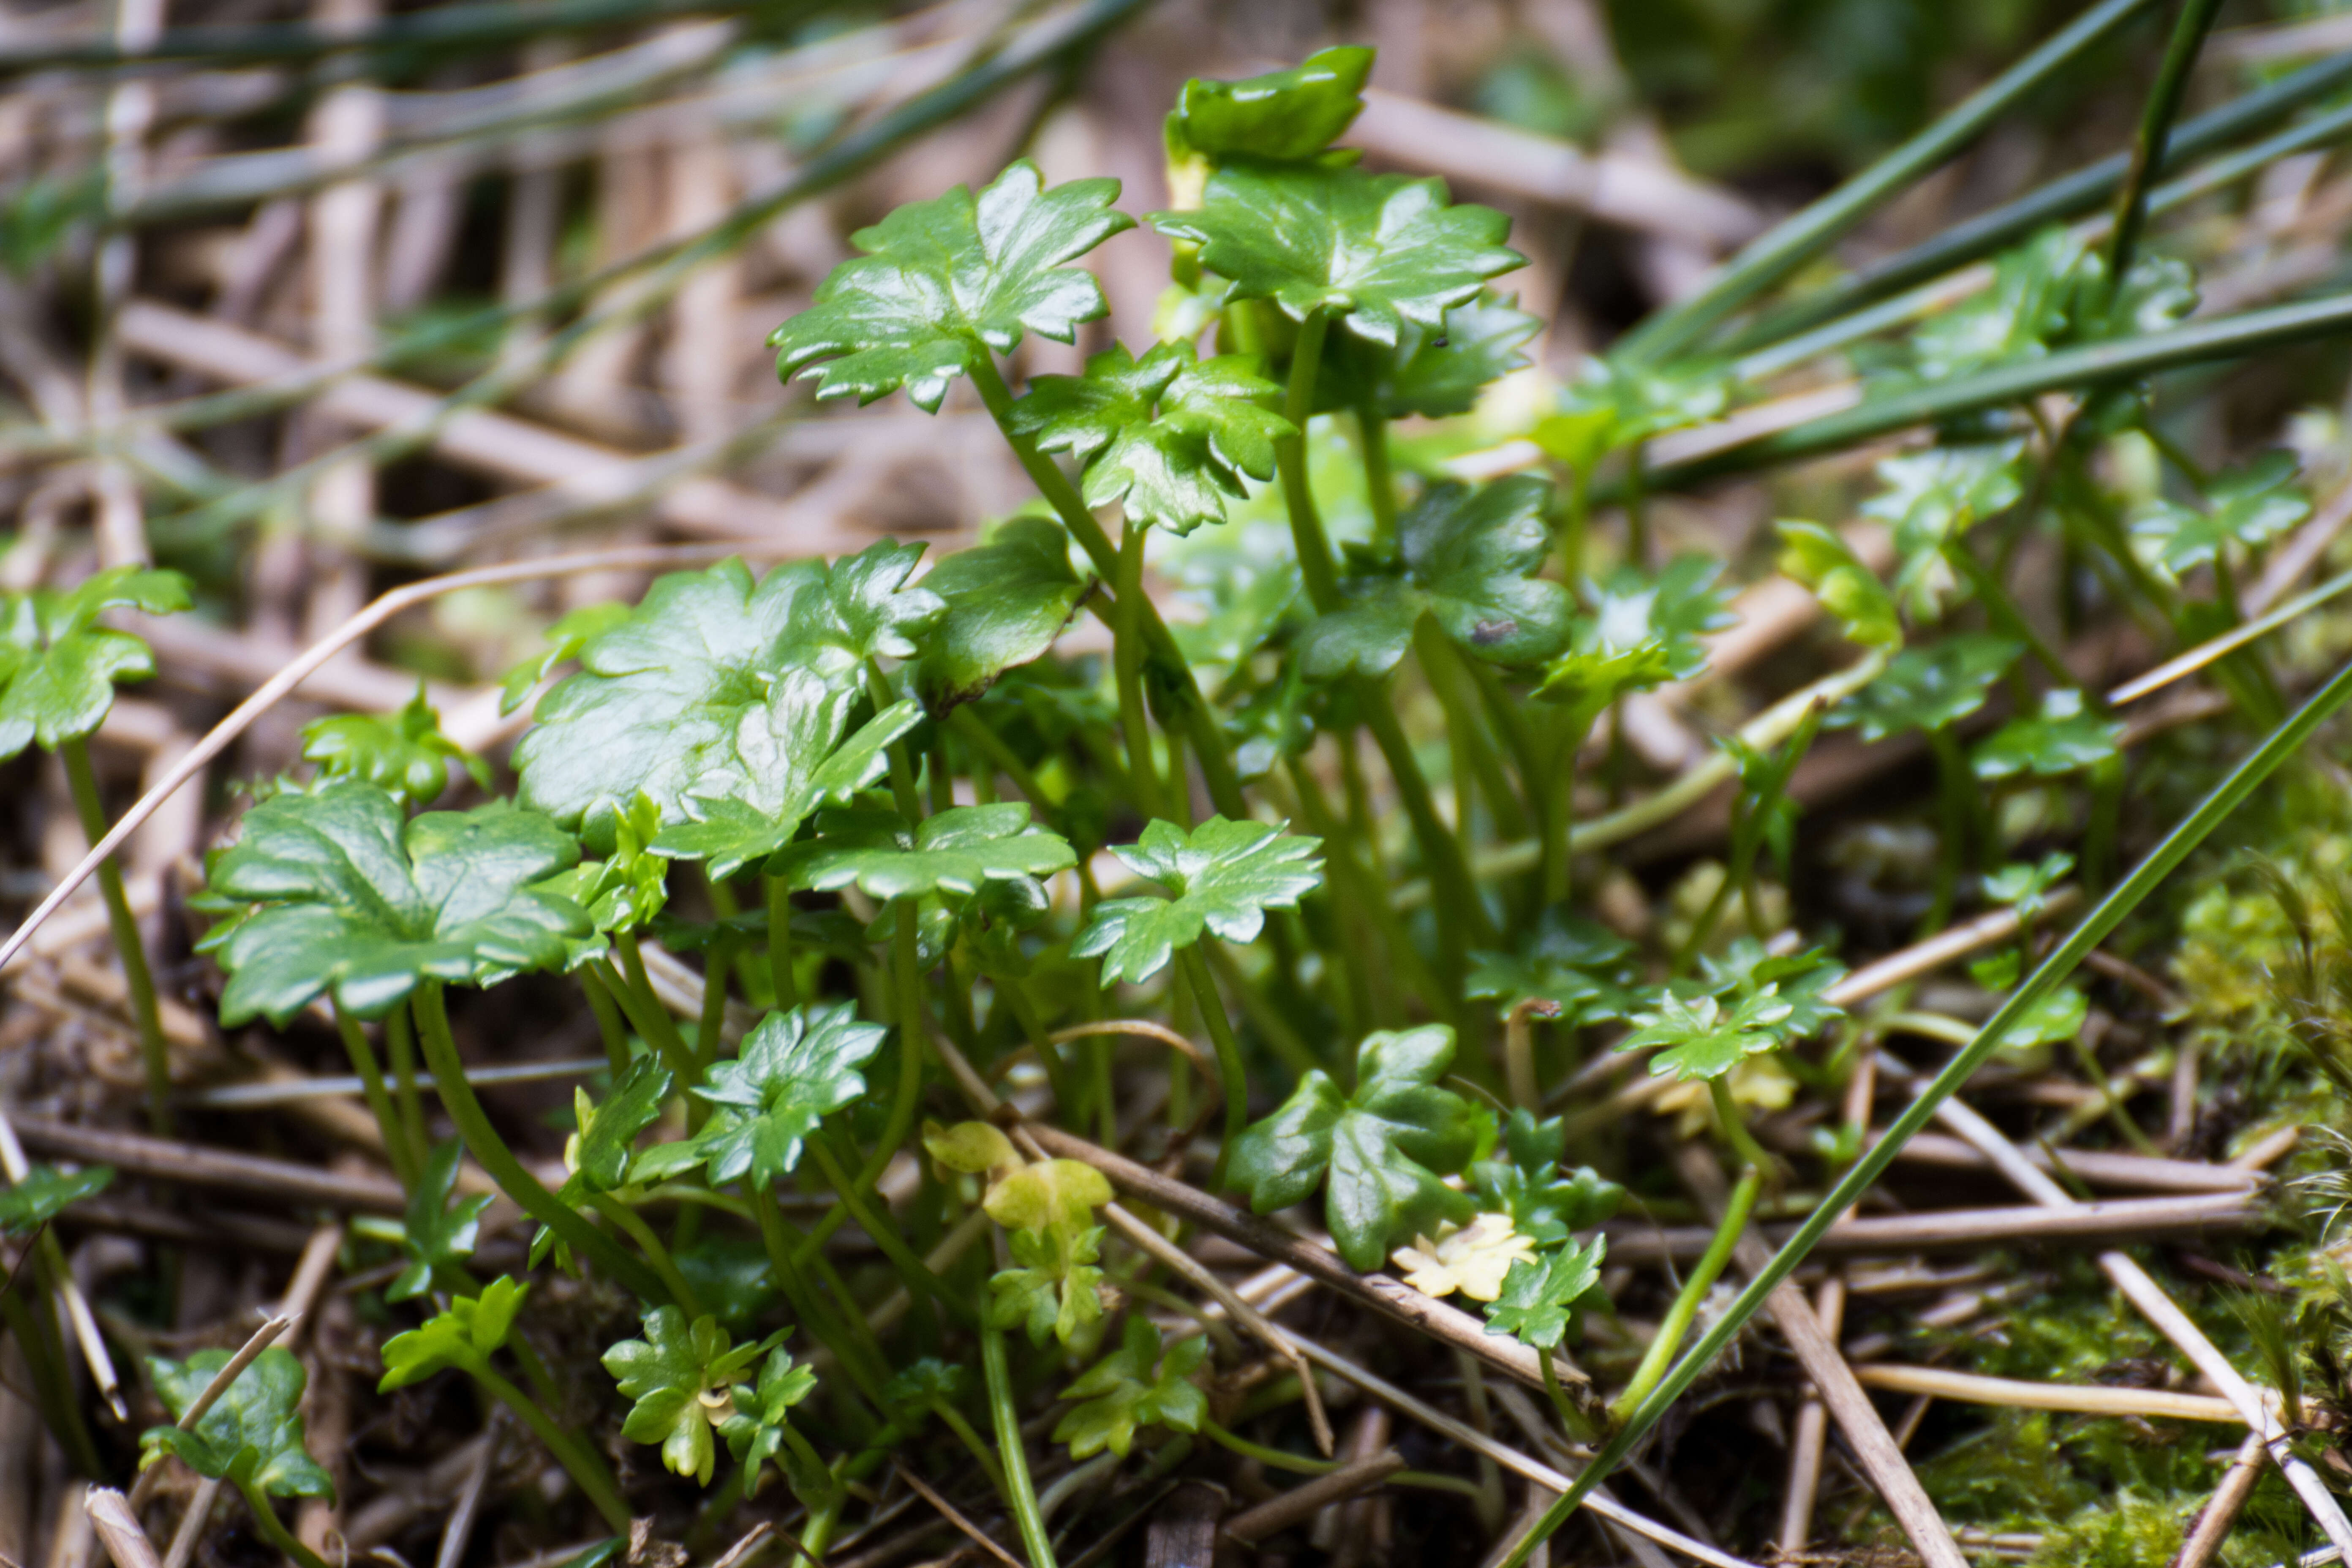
{"x": 251, "y": 1436}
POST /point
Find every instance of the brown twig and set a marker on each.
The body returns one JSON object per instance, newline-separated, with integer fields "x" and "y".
{"x": 955, "y": 1516}
{"x": 261, "y": 1339}
{"x": 200, "y": 1165}
{"x": 2214, "y": 1521}
{"x": 1300, "y": 1503}
{"x": 117, "y": 1528}
{"x": 1968, "y": 1388}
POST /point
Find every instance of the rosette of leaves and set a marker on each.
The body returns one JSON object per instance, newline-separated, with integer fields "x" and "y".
{"x": 2245, "y": 509}
{"x": 1546, "y": 1202}
{"x": 682, "y": 1379}
{"x": 46, "y": 1193}
{"x": 953, "y": 851}
{"x": 1133, "y": 1387}
{"x": 1846, "y": 587}
{"x": 720, "y": 688}
{"x": 629, "y": 888}
{"x": 1466, "y": 558}
{"x": 342, "y": 893}
{"x": 792, "y": 1071}
{"x": 251, "y": 1437}
{"x": 1643, "y": 632}
{"x": 1006, "y": 600}
{"x": 1748, "y": 968}
{"x": 437, "y": 1236}
{"x": 2060, "y": 738}
{"x": 404, "y": 753}
{"x": 1575, "y": 966}
{"x": 58, "y": 666}
{"x": 1931, "y": 499}
{"x": 1170, "y": 437}
{"x": 1381, "y": 1153}
{"x": 1223, "y": 876}
{"x": 1694, "y": 1038}
{"x": 943, "y": 283}
{"x": 1377, "y": 252}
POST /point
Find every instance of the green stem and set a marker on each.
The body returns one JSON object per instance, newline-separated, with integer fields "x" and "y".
{"x": 139, "y": 980}
{"x": 52, "y": 1387}
{"x": 906, "y": 974}
{"x": 2189, "y": 30}
{"x": 1126, "y": 661}
{"x": 1208, "y": 738}
{"x": 1570, "y": 1417}
{"x": 780, "y": 941}
{"x": 379, "y": 1100}
{"x": 652, "y": 1018}
{"x": 1230, "y": 1066}
{"x": 708, "y": 1030}
{"x": 609, "y": 1025}
{"x": 1788, "y": 244}
{"x": 976, "y": 1445}
{"x": 641, "y": 1013}
{"x": 579, "y": 1460}
{"x": 1380, "y": 483}
{"x": 1701, "y": 1280}
{"x": 1004, "y": 759}
{"x": 902, "y": 760}
{"x": 400, "y": 1041}
{"x": 265, "y": 1522}
{"x": 1015, "y": 1459}
{"x": 776, "y": 1239}
{"x": 1463, "y": 917}
{"x": 1955, "y": 796}
{"x": 1306, "y": 534}
{"x": 912, "y": 1270}
{"x": 1272, "y": 1458}
{"x": 2287, "y": 741}
{"x": 490, "y": 1152}
{"x": 638, "y": 1231}
{"x": 2004, "y": 610}
{"x": 1734, "y": 1127}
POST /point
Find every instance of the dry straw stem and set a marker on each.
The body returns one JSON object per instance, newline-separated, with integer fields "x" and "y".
{"x": 1277, "y": 1514}
{"x": 14, "y": 1164}
{"x": 201, "y": 1165}
{"x": 1967, "y": 1388}
{"x": 118, "y": 1529}
{"x": 261, "y": 1339}
{"x": 281, "y": 685}
{"x": 2214, "y": 1521}
{"x": 2116, "y": 1219}
{"x": 955, "y": 1516}
{"x": 2255, "y": 1406}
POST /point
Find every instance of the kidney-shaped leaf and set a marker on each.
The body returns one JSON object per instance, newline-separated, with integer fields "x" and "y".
{"x": 949, "y": 278}
{"x": 58, "y": 666}
{"x": 1470, "y": 559}
{"x": 353, "y": 899}
{"x": 1006, "y": 601}
{"x": 252, "y": 1436}
{"x": 1226, "y": 876}
{"x": 1384, "y": 1148}
{"x": 1379, "y": 251}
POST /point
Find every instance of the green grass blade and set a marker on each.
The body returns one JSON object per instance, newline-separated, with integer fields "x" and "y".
{"x": 1773, "y": 256}
{"x": 2244, "y": 780}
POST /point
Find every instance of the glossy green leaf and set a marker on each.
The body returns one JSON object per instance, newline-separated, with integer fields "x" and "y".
{"x": 46, "y": 1193}
{"x": 1385, "y": 1148}
{"x": 565, "y": 640}
{"x": 1696, "y": 1039}
{"x": 1283, "y": 115}
{"x": 2059, "y": 740}
{"x": 1006, "y": 601}
{"x": 712, "y": 679}
{"x": 1539, "y": 1295}
{"x": 944, "y": 280}
{"x": 404, "y": 753}
{"x": 1223, "y": 875}
{"x": 58, "y": 667}
{"x": 795, "y": 762}
{"x": 1133, "y": 1387}
{"x": 1528, "y": 1183}
{"x": 1427, "y": 373}
{"x": 953, "y": 851}
{"x": 682, "y": 1379}
{"x": 794, "y": 1070}
{"x": 438, "y": 1238}
{"x": 1378, "y": 251}
{"x": 1847, "y": 589}
{"x": 1168, "y": 438}
{"x": 1057, "y": 1196}
{"x": 608, "y": 1132}
{"x": 1644, "y": 631}
{"x": 463, "y": 1336}
{"x": 1469, "y": 559}
{"x": 628, "y": 888}
{"x": 354, "y": 898}
{"x": 251, "y": 1436}
{"x": 760, "y": 1416}
{"x": 2246, "y": 507}
{"x": 1748, "y": 968}
{"x": 1930, "y": 688}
